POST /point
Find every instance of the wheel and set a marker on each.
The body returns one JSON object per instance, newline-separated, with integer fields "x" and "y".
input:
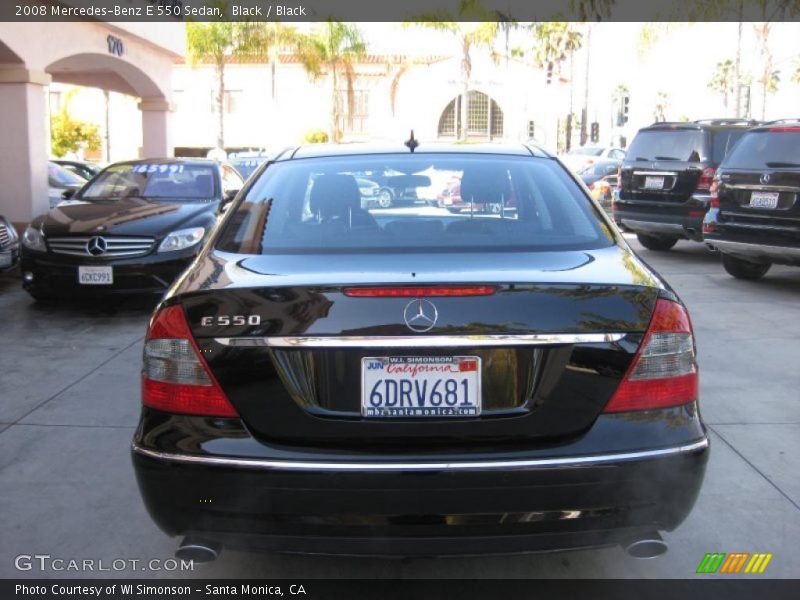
{"x": 385, "y": 198}
{"x": 659, "y": 243}
{"x": 744, "y": 269}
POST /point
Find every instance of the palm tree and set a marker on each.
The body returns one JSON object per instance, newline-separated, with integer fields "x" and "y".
{"x": 268, "y": 38}
{"x": 723, "y": 80}
{"x": 333, "y": 48}
{"x": 556, "y": 41}
{"x": 470, "y": 34}
{"x": 218, "y": 43}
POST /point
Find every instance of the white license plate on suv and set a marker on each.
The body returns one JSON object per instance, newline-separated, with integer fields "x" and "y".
{"x": 654, "y": 183}
{"x": 96, "y": 275}
{"x": 421, "y": 386}
{"x": 764, "y": 200}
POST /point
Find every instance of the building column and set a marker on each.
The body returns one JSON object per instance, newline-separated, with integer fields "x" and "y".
{"x": 156, "y": 133}
{"x": 24, "y": 151}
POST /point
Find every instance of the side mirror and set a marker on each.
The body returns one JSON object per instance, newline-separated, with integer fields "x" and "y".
{"x": 68, "y": 193}
{"x": 228, "y": 197}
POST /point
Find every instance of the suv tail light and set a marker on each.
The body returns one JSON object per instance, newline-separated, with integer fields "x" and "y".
{"x": 175, "y": 377}
{"x": 706, "y": 178}
{"x": 714, "y": 192}
{"x": 664, "y": 371}
{"x": 619, "y": 178}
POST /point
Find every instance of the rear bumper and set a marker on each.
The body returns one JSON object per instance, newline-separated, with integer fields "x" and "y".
{"x": 659, "y": 218}
{"x": 388, "y": 507}
{"x": 786, "y": 255}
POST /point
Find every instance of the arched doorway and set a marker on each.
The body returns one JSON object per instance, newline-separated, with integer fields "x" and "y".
{"x": 484, "y": 118}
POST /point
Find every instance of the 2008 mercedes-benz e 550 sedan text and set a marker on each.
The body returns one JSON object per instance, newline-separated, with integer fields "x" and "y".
{"x": 132, "y": 229}
{"x": 397, "y": 381}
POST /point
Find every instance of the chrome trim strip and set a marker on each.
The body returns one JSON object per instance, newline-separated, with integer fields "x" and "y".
{"x": 656, "y": 173}
{"x": 761, "y": 187}
{"x": 421, "y": 341}
{"x": 489, "y": 465}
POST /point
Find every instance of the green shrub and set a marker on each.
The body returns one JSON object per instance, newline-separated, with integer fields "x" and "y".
{"x": 316, "y": 136}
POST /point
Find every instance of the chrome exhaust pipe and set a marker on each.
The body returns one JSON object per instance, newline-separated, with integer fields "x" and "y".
{"x": 650, "y": 545}
{"x": 711, "y": 247}
{"x": 198, "y": 550}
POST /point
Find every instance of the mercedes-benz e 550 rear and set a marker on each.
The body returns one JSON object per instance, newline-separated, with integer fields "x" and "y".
{"x": 406, "y": 380}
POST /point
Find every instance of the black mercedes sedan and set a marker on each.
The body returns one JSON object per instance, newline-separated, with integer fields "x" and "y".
{"x": 133, "y": 228}
{"x": 754, "y": 221}
{"x": 327, "y": 378}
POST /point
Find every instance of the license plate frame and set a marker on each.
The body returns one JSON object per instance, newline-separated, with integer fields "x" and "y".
{"x": 765, "y": 200}
{"x": 421, "y": 373}
{"x": 95, "y": 275}
{"x": 652, "y": 182}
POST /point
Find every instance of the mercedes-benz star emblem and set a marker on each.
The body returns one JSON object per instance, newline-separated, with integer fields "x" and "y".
{"x": 765, "y": 178}
{"x": 420, "y": 315}
{"x": 96, "y": 246}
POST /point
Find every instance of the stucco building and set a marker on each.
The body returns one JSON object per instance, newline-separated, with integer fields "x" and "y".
{"x": 135, "y": 59}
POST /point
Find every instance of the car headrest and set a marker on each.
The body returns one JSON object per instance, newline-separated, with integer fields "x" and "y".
{"x": 334, "y": 196}
{"x": 484, "y": 185}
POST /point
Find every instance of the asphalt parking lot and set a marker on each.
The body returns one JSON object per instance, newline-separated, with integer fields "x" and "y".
{"x": 69, "y": 404}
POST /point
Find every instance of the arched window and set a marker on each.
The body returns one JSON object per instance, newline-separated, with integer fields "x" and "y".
{"x": 484, "y": 118}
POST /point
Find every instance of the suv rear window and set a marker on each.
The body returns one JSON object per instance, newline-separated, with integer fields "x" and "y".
{"x": 724, "y": 141}
{"x": 686, "y": 145}
{"x": 452, "y": 202}
{"x": 765, "y": 148}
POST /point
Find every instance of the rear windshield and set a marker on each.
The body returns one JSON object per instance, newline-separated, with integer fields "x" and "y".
{"x": 766, "y": 149}
{"x": 153, "y": 180}
{"x": 724, "y": 141}
{"x": 453, "y": 202}
{"x": 685, "y": 145}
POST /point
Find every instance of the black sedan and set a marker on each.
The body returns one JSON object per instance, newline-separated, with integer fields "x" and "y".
{"x": 754, "y": 219}
{"x": 133, "y": 228}
{"x": 330, "y": 379}
{"x": 9, "y": 245}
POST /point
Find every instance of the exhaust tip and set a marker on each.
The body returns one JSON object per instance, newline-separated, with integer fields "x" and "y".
{"x": 199, "y": 551}
{"x": 650, "y": 546}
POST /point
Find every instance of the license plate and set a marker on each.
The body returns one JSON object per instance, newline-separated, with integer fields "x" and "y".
{"x": 764, "y": 200}
{"x": 96, "y": 275}
{"x": 653, "y": 183}
{"x": 5, "y": 259}
{"x": 421, "y": 386}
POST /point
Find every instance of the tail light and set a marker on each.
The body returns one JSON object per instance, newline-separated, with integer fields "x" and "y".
{"x": 664, "y": 371}
{"x": 175, "y": 377}
{"x": 619, "y": 178}
{"x": 419, "y": 292}
{"x": 706, "y": 179}
{"x": 714, "y": 192}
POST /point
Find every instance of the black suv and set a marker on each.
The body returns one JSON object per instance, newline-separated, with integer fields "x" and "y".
{"x": 666, "y": 176}
{"x": 754, "y": 219}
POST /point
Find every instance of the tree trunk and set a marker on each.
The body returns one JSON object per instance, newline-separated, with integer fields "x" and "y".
{"x": 336, "y": 134}
{"x": 466, "y": 67}
{"x": 737, "y": 77}
{"x": 272, "y": 77}
{"x": 219, "y": 101}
